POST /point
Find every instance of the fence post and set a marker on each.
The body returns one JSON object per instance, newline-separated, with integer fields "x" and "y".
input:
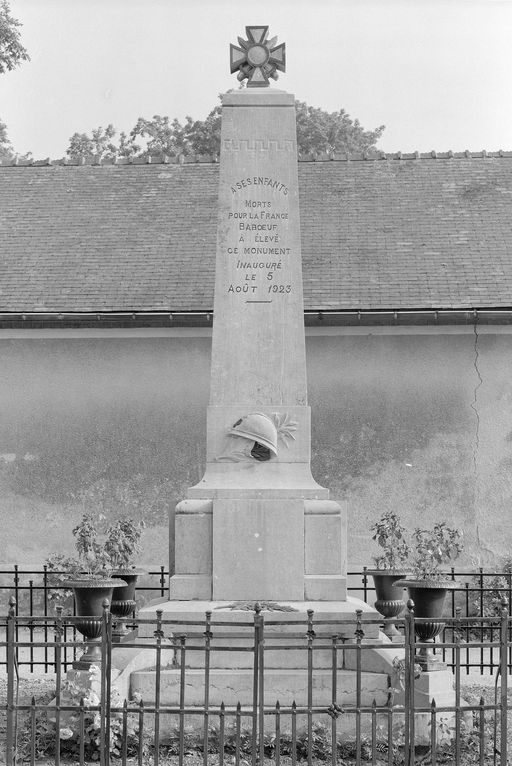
{"x": 208, "y": 635}
{"x": 104, "y": 693}
{"x": 162, "y": 580}
{"x": 45, "y": 613}
{"x": 16, "y": 604}
{"x": 11, "y": 712}
{"x": 359, "y": 633}
{"x": 261, "y": 689}
{"x": 504, "y": 680}
{"x": 57, "y": 657}
{"x": 456, "y": 652}
{"x": 409, "y": 684}
{"x": 255, "y": 683}
{"x": 159, "y": 635}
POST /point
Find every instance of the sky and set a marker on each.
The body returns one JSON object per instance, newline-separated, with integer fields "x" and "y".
{"x": 436, "y": 73}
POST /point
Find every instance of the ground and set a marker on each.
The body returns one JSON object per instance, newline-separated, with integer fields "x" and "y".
{"x": 42, "y": 688}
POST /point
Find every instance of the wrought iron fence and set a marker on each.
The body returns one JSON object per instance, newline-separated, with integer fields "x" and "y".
{"x": 182, "y": 712}
{"x": 478, "y": 595}
{"x": 34, "y": 592}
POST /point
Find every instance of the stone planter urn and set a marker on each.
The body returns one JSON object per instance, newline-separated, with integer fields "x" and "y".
{"x": 389, "y": 601}
{"x": 91, "y": 595}
{"x": 123, "y": 600}
{"x": 428, "y": 597}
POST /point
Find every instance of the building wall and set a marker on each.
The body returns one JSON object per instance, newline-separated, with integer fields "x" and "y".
{"x": 417, "y": 420}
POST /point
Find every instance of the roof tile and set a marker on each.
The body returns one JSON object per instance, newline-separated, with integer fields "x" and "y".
{"x": 403, "y": 231}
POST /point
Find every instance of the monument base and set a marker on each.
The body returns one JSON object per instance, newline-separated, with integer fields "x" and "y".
{"x": 231, "y": 658}
{"x": 254, "y": 549}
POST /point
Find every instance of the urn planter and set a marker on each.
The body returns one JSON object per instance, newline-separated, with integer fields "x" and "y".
{"x": 123, "y": 600}
{"x": 389, "y": 601}
{"x": 90, "y": 596}
{"x": 428, "y": 597}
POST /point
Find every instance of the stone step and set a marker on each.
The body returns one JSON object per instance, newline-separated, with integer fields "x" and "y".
{"x": 236, "y": 685}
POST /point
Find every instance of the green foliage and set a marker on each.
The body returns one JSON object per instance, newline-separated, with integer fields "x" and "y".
{"x": 98, "y": 554}
{"x": 12, "y": 51}
{"x": 488, "y": 601}
{"x": 93, "y": 558}
{"x": 434, "y": 547}
{"x": 100, "y": 144}
{"x": 123, "y": 542}
{"x": 6, "y": 150}
{"x": 321, "y": 743}
{"x": 162, "y": 136}
{"x": 331, "y": 132}
{"x": 390, "y": 536}
{"x": 74, "y": 694}
{"x": 424, "y": 554}
{"x": 317, "y": 132}
{"x": 59, "y": 569}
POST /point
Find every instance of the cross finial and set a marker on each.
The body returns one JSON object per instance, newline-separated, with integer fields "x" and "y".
{"x": 257, "y": 58}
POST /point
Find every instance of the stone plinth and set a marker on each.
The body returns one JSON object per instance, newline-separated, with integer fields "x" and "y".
{"x": 280, "y": 685}
{"x": 285, "y": 659}
{"x": 257, "y": 549}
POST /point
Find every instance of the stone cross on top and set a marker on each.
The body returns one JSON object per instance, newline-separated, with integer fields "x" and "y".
{"x": 257, "y": 59}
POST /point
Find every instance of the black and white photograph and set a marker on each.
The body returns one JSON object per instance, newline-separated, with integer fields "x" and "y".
{"x": 255, "y": 382}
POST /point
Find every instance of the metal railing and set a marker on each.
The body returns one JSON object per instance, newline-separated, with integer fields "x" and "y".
{"x": 334, "y": 719}
{"x": 479, "y": 594}
{"x": 33, "y": 591}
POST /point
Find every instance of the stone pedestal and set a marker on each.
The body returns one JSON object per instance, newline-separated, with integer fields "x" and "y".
{"x": 251, "y": 549}
{"x": 231, "y": 672}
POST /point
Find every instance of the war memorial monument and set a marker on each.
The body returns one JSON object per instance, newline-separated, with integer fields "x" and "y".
{"x": 258, "y": 529}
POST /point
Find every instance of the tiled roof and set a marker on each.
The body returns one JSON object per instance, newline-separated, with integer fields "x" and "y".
{"x": 397, "y": 232}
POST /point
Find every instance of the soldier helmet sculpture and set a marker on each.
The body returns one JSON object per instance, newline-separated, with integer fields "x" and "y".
{"x": 259, "y": 428}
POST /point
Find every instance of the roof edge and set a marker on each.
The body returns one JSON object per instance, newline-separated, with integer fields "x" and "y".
{"x": 209, "y": 160}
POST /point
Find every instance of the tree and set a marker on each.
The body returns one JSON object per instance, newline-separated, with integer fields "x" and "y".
{"x": 317, "y": 132}
{"x": 335, "y": 132}
{"x": 12, "y": 51}
{"x": 161, "y": 135}
{"x": 204, "y": 135}
{"x": 99, "y": 144}
{"x": 6, "y": 151}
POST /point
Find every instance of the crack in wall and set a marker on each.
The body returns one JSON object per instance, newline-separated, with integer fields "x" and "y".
{"x": 475, "y": 393}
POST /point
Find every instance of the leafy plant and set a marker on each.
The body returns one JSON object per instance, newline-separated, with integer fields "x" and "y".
{"x": 97, "y": 555}
{"x": 93, "y": 558}
{"x": 73, "y": 694}
{"x": 59, "y": 568}
{"x": 123, "y": 542}
{"x": 488, "y": 600}
{"x": 390, "y": 536}
{"x": 432, "y": 548}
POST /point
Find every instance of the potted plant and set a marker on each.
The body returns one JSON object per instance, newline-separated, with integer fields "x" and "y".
{"x": 390, "y": 536}
{"x": 121, "y": 546}
{"x": 427, "y": 585}
{"x": 92, "y": 587}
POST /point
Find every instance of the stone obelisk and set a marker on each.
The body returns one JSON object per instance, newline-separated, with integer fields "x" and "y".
{"x": 257, "y": 526}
